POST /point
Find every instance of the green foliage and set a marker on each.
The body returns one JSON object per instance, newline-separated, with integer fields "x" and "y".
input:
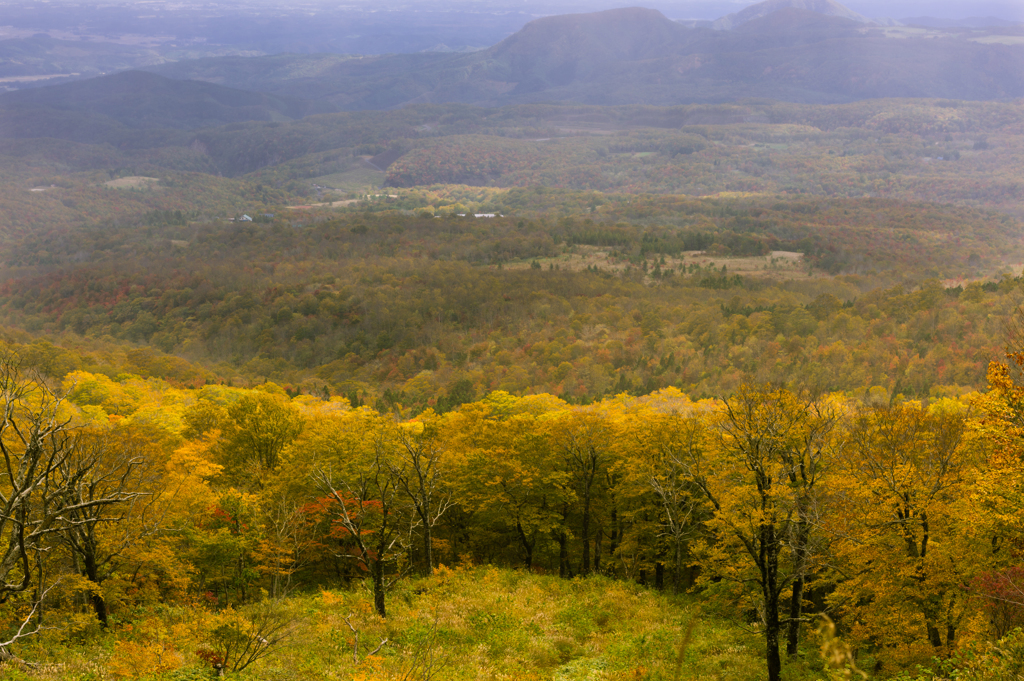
{"x": 257, "y": 429}
{"x": 1003, "y": 659}
{"x": 418, "y": 308}
{"x": 541, "y": 355}
{"x": 438, "y": 626}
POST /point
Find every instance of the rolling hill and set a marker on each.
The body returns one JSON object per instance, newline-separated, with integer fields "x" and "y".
{"x": 141, "y": 100}
{"x": 635, "y": 55}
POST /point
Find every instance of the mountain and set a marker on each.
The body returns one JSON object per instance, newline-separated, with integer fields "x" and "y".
{"x": 790, "y": 50}
{"x": 791, "y": 27}
{"x": 141, "y": 100}
{"x": 349, "y": 83}
{"x": 575, "y": 46}
{"x": 829, "y": 8}
{"x": 621, "y": 56}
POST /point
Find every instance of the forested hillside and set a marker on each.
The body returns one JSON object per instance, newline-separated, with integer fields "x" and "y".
{"x": 629, "y": 55}
{"x": 702, "y": 295}
{"x": 545, "y": 391}
{"x": 936, "y": 151}
{"x": 186, "y": 515}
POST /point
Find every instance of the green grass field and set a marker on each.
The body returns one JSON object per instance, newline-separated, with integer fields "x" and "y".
{"x": 358, "y": 178}
{"x": 477, "y": 623}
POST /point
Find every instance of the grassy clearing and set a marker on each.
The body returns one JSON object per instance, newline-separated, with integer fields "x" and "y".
{"x": 479, "y": 623}
{"x": 778, "y": 265}
{"x": 356, "y": 179}
{"x": 133, "y": 182}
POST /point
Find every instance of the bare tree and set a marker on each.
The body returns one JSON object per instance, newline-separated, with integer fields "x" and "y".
{"x": 420, "y": 476}
{"x": 355, "y": 642}
{"x": 41, "y": 470}
{"x": 120, "y": 471}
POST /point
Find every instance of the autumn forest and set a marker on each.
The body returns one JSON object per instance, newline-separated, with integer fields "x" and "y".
{"x": 547, "y": 390}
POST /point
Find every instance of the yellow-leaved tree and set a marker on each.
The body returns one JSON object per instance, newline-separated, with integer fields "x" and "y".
{"x": 907, "y": 521}
{"x": 761, "y": 460}
{"x": 505, "y": 476}
{"x": 352, "y": 459}
{"x": 997, "y": 427}
{"x": 661, "y": 508}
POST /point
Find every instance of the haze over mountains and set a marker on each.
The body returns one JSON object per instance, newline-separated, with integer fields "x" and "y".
{"x": 137, "y": 99}
{"x": 829, "y": 8}
{"x": 807, "y": 51}
{"x": 43, "y": 43}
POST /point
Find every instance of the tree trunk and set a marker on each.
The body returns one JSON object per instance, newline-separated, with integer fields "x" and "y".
{"x": 563, "y": 556}
{"x": 769, "y": 559}
{"x": 796, "y": 605}
{"x": 378, "y": 588}
{"x": 613, "y": 537}
{"x": 586, "y": 535}
{"x": 240, "y": 573}
{"x": 795, "y": 613}
{"x": 677, "y": 567}
{"x": 772, "y": 657}
{"x": 99, "y": 605}
{"x": 527, "y": 545}
{"x": 932, "y": 607}
{"x": 11, "y": 659}
{"x": 659, "y": 576}
{"x": 428, "y": 551}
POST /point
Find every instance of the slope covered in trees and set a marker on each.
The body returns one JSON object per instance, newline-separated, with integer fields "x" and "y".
{"x": 704, "y": 295}
{"x": 219, "y": 501}
{"x": 738, "y": 350}
{"x": 937, "y": 151}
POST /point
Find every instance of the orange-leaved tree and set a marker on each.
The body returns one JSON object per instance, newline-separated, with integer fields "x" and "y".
{"x": 907, "y": 522}
{"x": 354, "y": 461}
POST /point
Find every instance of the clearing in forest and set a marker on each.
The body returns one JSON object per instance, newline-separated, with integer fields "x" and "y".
{"x": 131, "y": 182}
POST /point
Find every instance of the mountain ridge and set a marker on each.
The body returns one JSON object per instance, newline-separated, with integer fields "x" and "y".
{"x": 619, "y": 56}
{"x": 768, "y": 7}
{"x": 146, "y": 100}
{"x": 635, "y": 54}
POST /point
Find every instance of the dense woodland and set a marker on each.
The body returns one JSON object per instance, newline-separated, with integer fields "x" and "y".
{"x": 770, "y": 503}
{"x": 709, "y": 376}
{"x": 380, "y": 303}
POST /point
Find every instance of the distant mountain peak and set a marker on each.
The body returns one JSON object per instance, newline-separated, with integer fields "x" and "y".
{"x": 762, "y": 9}
{"x": 629, "y": 29}
{"x": 557, "y": 50}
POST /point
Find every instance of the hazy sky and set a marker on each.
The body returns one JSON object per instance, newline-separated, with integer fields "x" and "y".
{"x": 712, "y": 9}
{"x": 694, "y": 9}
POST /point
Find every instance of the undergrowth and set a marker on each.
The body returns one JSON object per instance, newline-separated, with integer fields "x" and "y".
{"x": 473, "y": 623}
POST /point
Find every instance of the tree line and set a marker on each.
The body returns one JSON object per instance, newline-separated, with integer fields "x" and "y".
{"x": 775, "y": 503}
